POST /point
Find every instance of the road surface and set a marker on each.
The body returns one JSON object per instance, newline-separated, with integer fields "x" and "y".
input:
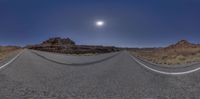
{"x": 117, "y": 76}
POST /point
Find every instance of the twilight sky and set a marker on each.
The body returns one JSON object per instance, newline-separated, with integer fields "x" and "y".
{"x": 128, "y": 23}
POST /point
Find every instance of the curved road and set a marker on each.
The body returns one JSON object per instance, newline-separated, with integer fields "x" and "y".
{"x": 121, "y": 77}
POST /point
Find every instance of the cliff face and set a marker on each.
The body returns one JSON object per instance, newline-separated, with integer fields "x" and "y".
{"x": 66, "y": 45}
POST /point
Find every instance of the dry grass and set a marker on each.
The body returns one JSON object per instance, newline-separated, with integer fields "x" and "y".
{"x": 169, "y": 56}
{"x": 7, "y": 50}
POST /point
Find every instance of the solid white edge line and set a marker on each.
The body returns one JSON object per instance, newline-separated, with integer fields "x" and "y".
{"x": 13, "y": 59}
{"x": 163, "y": 72}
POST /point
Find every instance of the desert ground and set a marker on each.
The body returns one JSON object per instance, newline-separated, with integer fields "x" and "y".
{"x": 183, "y": 52}
{"x": 5, "y": 51}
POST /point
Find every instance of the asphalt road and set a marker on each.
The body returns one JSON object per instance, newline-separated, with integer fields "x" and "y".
{"x": 32, "y": 76}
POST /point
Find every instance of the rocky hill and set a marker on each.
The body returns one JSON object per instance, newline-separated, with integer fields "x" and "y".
{"x": 182, "y": 44}
{"x": 66, "y": 45}
{"x": 182, "y": 47}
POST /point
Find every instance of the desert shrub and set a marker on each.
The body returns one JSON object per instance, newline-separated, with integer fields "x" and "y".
{"x": 164, "y": 57}
{"x": 181, "y": 57}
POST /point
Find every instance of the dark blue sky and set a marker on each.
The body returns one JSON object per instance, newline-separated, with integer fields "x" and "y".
{"x": 133, "y": 23}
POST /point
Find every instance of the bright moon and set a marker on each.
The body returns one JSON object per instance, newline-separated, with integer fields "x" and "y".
{"x": 100, "y": 23}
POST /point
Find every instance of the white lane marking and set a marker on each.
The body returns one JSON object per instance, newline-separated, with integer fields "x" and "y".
{"x": 13, "y": 59}
{"x": 163, "y": 72}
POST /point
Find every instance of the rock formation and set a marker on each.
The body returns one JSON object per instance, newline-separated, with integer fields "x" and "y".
{"x": 57, "y": 41}
{"x": 66, "y": 45}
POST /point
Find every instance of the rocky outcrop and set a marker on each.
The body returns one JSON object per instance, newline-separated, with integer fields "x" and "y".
{"x": 57, "y": 41}
{"x": 66, "y": 45}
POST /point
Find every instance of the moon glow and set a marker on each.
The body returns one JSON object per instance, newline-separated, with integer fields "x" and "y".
{"x": 99, "y": 23}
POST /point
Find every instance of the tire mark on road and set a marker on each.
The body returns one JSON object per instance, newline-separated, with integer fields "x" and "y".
{"x": 77, "y": 64}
